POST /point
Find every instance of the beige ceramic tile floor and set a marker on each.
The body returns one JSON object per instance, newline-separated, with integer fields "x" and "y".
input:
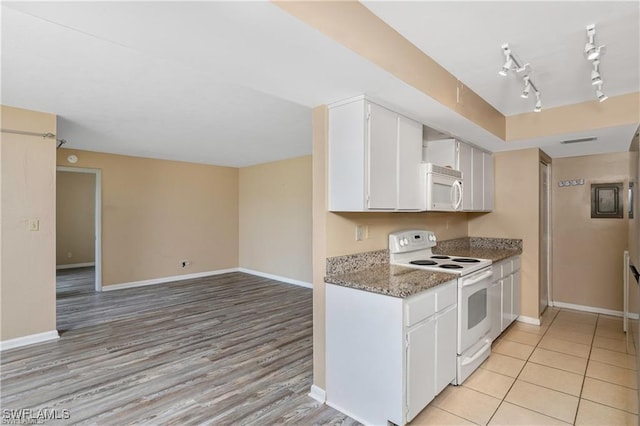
{"x": 576, "y": 368}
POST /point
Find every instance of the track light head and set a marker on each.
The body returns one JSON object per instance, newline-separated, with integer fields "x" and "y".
{"x": 508, "y": 60}
{"x": 538, "y": 107}
{"x": 595, "y": 74}
{"x": 591, "y": 51}
{"x": 527, "y": 87}
{"x": 600, "y": 94}
{"x": 508, "y": 65}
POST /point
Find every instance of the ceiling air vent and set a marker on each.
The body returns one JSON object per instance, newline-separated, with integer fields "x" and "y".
{"x": 580, "y": 140}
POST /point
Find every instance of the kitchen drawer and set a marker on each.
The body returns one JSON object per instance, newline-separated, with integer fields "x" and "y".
{"x": 419, "y": 307}
{"x": 446, "y": 295}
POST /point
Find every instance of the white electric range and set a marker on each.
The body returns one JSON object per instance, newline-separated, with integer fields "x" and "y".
{"x": 413, "y": 249}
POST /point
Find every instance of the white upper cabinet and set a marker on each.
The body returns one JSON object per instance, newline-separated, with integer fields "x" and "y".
{"x": 476, "y": 166}
{"x": 374, "y": 158}
{"x": 409, "y": 159}
{"x": 487, "y": 178}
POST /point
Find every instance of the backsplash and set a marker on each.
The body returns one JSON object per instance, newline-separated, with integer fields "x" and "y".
{"x": 478, "y": 242}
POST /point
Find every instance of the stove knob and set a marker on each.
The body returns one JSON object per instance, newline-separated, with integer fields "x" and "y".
{"x": 406, "y": 241}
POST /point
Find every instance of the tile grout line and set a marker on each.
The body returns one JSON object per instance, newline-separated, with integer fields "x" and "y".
{"x": 520, "y": 372}
{"x": 584, "y": 377}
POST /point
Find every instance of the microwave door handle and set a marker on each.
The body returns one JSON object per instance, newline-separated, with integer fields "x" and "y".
{"x": 458, "y": 191}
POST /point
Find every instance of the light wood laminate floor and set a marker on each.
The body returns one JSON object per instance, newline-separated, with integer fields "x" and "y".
{"x": 228, "y": 349}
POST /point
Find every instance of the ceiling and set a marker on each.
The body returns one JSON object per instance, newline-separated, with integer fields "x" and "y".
{"x": 232, "y": 83}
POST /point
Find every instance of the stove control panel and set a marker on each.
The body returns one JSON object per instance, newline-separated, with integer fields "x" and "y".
{"x": 411, "y": 240}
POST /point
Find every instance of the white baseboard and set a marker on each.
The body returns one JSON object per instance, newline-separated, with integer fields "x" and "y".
{"x": 593, "y": 309}
{"x": 29, "y": 340}
{"x": 163, "y": 280}
{"x": 276, "y": 277}
{"x": 75, "y": 265}
{"x": 528, "y": 320}
{"x": 318, "y": 394}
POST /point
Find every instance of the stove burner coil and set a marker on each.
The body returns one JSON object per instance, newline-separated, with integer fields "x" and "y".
{"x": 423, "y": 262}
{"x": 451, "y": 266}
{"x": 440, "y": 257}
{"x": 465, "y": 260}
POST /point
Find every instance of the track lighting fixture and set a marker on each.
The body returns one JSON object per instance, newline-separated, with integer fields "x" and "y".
{"x": 595, "y": 74}
{"x": 527, "y": 87}
{"x": 594, "y": 54}
{"x": 600, "y": 94}
{"x": 512, "y": 64}
{"x": 590, "y": 50}
{"x": 538, "y": 107}
{"x": 508, "y": 61}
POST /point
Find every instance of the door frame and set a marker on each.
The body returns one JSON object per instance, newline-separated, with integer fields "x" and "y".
{"x": 548, "y": 247}
{"x": 98, "y": 218}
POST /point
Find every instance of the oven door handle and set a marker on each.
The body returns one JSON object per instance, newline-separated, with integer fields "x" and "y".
{"x": 476, "y": 279}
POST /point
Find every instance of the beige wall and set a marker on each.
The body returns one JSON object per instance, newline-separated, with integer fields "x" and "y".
{"x": 155, "y": 213}
{"x": 75, "y": 218}
{"x": 588, "y": 253}
{"x": 341, "y": 229}
{"x": 28, "y": 279}
{"x": 516, "y": 215}
{"x": 275, "y": 218}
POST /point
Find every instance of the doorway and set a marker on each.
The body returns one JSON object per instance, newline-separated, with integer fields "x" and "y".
{"x": 79, "y": 229}
{"x": 545, "y": 240}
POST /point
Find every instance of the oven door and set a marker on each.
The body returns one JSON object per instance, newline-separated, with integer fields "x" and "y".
{"x": 444, "y": 193}
{"x": 473, "y": 308}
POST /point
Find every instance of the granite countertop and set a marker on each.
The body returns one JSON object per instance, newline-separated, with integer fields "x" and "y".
{"x": 372, "y": 272}
{"x": 392, "y": 280}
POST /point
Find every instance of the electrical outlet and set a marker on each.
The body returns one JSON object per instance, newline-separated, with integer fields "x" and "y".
{"x": 185, "y": 263}
{"x": 360, "y": 232}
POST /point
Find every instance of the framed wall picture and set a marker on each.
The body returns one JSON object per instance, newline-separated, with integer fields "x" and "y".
{"x": 606, "y": 200}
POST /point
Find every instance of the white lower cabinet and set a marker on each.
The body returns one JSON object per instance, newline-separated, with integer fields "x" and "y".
{"x": 504, "y": 294}
{"x": 387, "y": 357}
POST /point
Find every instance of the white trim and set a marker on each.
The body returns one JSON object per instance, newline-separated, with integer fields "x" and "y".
{"x": 98, "y": 218}
{"x": 318, "y": 394}
{"x": 75, "y": 265}
{"x": 276, "y": 277}
{"x": 29, "y": 340}
{"x": 163, "y": 280}
{"x": 593, "y": 309}
{"x": 528, "y": 320}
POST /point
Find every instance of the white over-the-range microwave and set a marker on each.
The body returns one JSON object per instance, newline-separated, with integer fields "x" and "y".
{"x": 442, "y": 188}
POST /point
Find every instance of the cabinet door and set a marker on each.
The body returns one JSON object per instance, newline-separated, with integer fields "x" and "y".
{"x": 445, "y": 367}
{"x": 477, "y": 199}
{"x": 515, "y": 282}
{"x": 487, "y": 181}
{"x": 495, "y": 309}
{"x": 507, "y": 297}
{"x": 409, "y": 159}
{"x": 382, "y": 173}
{"x": 420, "y": 366}
{"x": 465, "y": 165}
